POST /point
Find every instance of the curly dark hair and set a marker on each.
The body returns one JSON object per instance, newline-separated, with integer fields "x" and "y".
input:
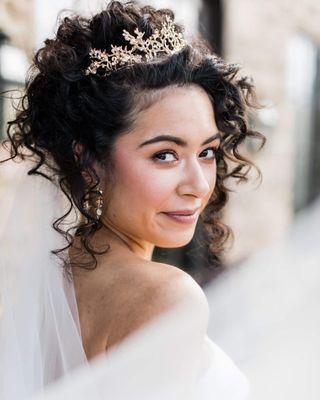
{"x": 62, "y": 108}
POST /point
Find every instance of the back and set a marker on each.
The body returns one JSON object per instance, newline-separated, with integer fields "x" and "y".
{"x": 115, "y": 301}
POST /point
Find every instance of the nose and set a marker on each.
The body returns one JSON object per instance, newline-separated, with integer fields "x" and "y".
{"x": 196, "y": 179}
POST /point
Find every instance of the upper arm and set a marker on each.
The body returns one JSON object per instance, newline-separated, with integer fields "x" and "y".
{"x": 158, "y": 294}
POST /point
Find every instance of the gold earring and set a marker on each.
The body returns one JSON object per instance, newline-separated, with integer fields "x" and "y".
{"x": 95, "y": 208}
{"x": 99, "y": 204}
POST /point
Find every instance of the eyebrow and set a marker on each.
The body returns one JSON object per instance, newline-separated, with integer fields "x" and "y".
{"x": 177, "y": 140}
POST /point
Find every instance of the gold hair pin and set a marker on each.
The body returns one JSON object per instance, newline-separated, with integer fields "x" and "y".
{"x": 167, "y": 41}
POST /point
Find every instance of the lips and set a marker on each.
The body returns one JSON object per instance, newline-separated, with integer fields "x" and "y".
{"x": 183, "y": 216}
{"x": 183, "y": 212}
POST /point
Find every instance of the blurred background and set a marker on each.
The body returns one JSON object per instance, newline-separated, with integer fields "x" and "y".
{"x": 264, "y": 303}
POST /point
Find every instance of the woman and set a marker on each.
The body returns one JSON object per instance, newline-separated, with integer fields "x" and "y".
{"x": 134, "y": 125}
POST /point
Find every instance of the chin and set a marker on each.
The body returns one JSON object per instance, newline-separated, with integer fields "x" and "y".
{"x": 172, "y": 240}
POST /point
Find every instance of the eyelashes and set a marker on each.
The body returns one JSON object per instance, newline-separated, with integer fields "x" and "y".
{"x": 157, "y": 156}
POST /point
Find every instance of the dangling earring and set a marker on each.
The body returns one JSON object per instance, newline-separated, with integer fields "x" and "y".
{"x": 95, "y": 208}
{"x": 99, "y": 204}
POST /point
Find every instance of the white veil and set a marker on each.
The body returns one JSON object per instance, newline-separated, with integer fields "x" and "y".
{"x": 39, "y": 330}
{"x": 41, "y": 353}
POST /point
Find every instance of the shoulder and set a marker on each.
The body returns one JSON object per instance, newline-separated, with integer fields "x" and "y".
{"x": 157, "y": 287}
{"x": 172, "y": 285}
{"x": 162, "y": 285}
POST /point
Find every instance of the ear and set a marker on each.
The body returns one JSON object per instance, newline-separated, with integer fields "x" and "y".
{"x": 77, "y": 150}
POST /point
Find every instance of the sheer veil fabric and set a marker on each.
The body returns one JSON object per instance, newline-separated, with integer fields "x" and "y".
{"x": 39, "y": 330}
{"x": 41, "y": 352}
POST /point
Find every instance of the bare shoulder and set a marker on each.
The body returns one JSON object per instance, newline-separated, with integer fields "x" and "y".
{"x": 156, "y": 287}
{"x": 171, "y": 285}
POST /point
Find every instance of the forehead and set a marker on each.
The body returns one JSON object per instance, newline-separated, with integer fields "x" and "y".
{"x": 184, "y": 111}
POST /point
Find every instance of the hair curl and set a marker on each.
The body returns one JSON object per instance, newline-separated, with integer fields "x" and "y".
{"x": 62, "y": 108}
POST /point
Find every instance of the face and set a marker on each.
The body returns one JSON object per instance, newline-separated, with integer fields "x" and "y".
{"x": 165, "y": 164}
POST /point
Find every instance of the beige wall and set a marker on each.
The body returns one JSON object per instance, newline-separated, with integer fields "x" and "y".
{"x": 16, "y": 21}
{"x": 257, "y": 34}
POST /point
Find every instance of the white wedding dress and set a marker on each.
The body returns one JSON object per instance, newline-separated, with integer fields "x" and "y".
{"x": 41, "y": 353}
{"x": 169, "y": 359}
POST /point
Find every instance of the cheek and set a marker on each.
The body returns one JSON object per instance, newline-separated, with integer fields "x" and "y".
{"x": 142, "y": 185}
{"x": 211, "y": 179}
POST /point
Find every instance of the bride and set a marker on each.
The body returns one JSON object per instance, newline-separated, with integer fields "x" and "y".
{"x": 124, "y": 133}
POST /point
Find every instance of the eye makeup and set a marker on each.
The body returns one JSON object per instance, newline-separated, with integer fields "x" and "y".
{"x": 156, "y": 158}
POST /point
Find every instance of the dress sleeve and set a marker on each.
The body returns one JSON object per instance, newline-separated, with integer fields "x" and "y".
{"x": 219, "y": 377}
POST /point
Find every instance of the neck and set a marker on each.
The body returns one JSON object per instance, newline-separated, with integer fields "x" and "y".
{"x": 124, "y": 244}
{"x": 121, "y": 246}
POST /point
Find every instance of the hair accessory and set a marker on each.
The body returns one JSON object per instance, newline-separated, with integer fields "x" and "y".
{"x": 167, "y": 41}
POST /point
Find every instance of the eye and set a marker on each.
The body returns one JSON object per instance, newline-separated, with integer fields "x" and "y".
{"x": 212, "y": 151}
{"x": 161, "y": 157}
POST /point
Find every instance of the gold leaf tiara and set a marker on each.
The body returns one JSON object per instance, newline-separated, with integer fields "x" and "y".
{"x": 167, "y": 41}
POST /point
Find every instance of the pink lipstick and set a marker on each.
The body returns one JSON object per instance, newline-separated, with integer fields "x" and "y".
{"x": 183, "y": 216}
